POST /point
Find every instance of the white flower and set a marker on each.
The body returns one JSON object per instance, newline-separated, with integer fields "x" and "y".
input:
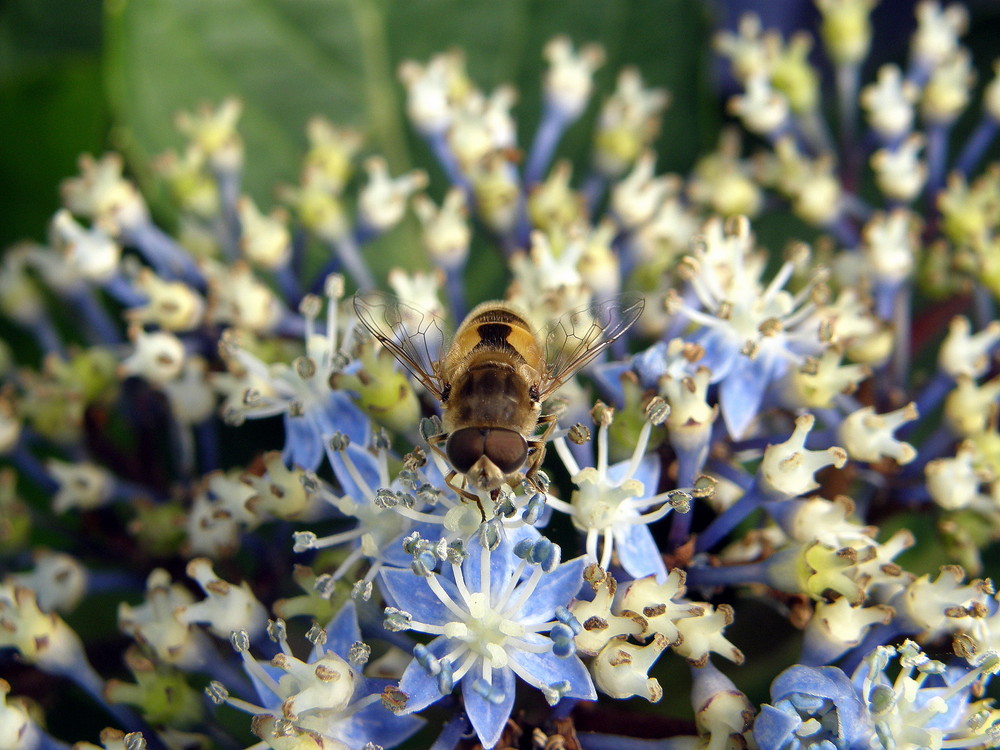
{"x": 889, "y": 102}
{"x": 446, "y": 233}
{"x": 638, "y": 195}
{"x": 431, "y": 90}
{"x": 92, "y": 254}
{"x": 155, "y": 623}
{"x": 158, "y": 357}
{"x": 965, "y": 353}
{"x": 83, "y": 485}
{"x": 58, "y": 580}
{"x": 101, "y": 193}
{"x": 788, "y": 468}
{"x": 226, "y": 608}
{"x": 938, "y": 30}
{"x": 899, "y": 172}
{"x": 621, "y": 669}
{"x": 239, "y": 299}
{"x": 265, "y": 240}
{"x": 762, "y": 109}
{"x": 172, "y": 305}
{"x": 213, "y": 131}
{"x": 868, "y": 436}
{"x": 570, "y": 77}
{"x": 382, "y": 201}
{"x": 947, "y": 92}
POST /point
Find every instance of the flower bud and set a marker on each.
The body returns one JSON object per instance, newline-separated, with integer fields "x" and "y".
{"x": 868, "y": 436}
{"x": 266, "y": 241}
{"x": 620, "y": 669}
{"x": 570, "y": 77}
{"x": 965, "y": 353}
{"x": 787, "y": 468}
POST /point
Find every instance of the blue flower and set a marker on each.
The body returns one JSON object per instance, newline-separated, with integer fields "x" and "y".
{"x": 313, "y": 412}
{"x": 399, "y": 521}
{"x": 813, "y": 707}
{"x": 614, "y": 505}
{"x": 490, "y": 626}
{"x": 750, "y": 333}
{"x": 353, "y": 716}
{"x": 925, "y": 705}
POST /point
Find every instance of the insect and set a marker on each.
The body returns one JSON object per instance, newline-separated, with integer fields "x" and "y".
{"x": 494, "y": 377}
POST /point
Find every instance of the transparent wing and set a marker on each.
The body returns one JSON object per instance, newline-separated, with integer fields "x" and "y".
{"x": 414, "y": 336}
{"x": 578, "y": 337}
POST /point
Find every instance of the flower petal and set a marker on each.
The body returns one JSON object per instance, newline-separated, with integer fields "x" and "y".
{"x": 489, "y": 719}
{"x": 647, "y": 472}
{"x": 637, "y": 552}
{"x": 546, "y": 668}
{"x": 343, "y": 631}
{"x": 773, "y": 727}
{"x": 649, "y": 365}
{"x": 607, "y": 375}
{"x": 346, "y": 416}
{"x": 721, "y": 353}
{"x": 503, "y": 563}
{"x": 854, "y": 723}
{"x": 366, "y": 465}
{"x": 407, "y": 591}
{"x": 420, "y": 687}
{"x": 742, "y": 392}
{"x": 375, "y": 723}
{"x": 303, "y": 444}
{"x": 555, "y": 589}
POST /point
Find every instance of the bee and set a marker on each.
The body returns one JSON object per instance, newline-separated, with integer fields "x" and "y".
{"x": 493, "y": 378}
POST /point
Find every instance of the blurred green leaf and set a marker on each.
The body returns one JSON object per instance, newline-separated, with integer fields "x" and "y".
{"x": 292, "y": 59}
{"x": 286, "y": 61}
{"x": 50, "y": 117}
{"x": 51, "y": 105}
{"x": 42, "y": 32}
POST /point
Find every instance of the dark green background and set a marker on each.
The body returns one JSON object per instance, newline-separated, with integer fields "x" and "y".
{"x": 85, "y": 76}
{"x": 76, "y": 76}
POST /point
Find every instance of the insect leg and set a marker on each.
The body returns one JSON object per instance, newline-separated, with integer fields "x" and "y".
{"x": 435, "y": 442}
{"x": 536, "y": 449}
{"x": 549, "y": 421}
{"x": 449, "y": 480}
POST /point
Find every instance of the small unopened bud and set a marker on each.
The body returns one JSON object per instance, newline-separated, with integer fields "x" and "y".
{"x": 394, "y": 699}
{"x": 276, "y": 630}
{"x": 240, "y": 641}
{"x": 602, "y": 414}
{"x": 217, "y": 692}
{"x": 657, "y": 411}
{"x": 359, "y": 653}
{"x": 316, "y": 635}
{"x": 578, "y": 434}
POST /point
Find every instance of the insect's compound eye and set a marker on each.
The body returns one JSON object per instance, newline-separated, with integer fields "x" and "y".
{"x": 465, "y": 447}
{"x": 507, "y": 449}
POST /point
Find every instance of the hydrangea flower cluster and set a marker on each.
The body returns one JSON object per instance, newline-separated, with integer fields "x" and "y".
{"x": 200, "y": 428}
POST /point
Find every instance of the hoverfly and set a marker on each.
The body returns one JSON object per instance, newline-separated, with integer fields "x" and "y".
{"x": 494, "y": 377}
